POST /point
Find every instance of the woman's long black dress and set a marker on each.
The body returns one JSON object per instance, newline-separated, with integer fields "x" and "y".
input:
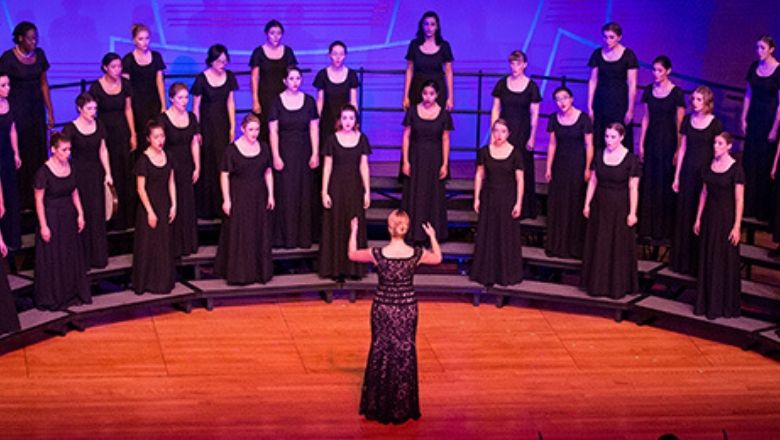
{"x": 498, "y": 247}
{"x": 346, "y": 193}
{"x": 9, "y": 318}
{"x": 610, "y": 102}
{"x": 566, "y": 191}
{"x": 11, "y": 222}
{"x": 516, "y": 111}
{"x": 336, "y": 96}
{"x": 178, "y": 145}
{"x": 390, "y": 392}
{"x": 609, "y": 264}
{"x": 154, "y": 267}
{"x": 294, "y": 185}
{"x": 684, "y": 255}
{"x": 244, "y": 252}
{"x": 60, "y": 267}
{"x": 656, "y": 197}
{"x": 719, "y": 283}
{"x": 215, "y": 130}
{"x": 428, "y": 67}
{"x": 758, "y": 152}
{"x": 146, "y": 97}
{"x": 90, "y": 176}
{"x": 111, "y": 113}
{"x": 272, "y": 74}
{"x": 424, "y": 195}
{"x": 26, "y": 100}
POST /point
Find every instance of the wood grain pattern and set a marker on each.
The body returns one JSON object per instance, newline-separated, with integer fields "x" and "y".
{"x": 293, "y": 369}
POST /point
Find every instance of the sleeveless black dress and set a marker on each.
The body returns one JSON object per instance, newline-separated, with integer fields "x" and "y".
{"x": 244, "y": 252}
{"x": 609, "y": 263}
{"x": 60, "y": 267}
{"x": 610, "y": 101}
{"x": 346, "y": 193}
{"x": 428, "y": 68}
{"x": 656, "y": 197}
{"x": 390, "y": 389}
{"x": 498, "y": 247}
{"x": 684, "y": 255}
{"x": 566, "y": 191}
{"x": 90, "y": 175}
{"x": 11, "y": 222}
{"x": 516, "y": 111}
{"x": 272, "y": 73}
{"x": 215, "y": 130}
{"x": 111, "y": 113}
{"x": 719, "y": 284}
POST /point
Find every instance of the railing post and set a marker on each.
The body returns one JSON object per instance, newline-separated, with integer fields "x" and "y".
{"x": 361, "y": 71}
{"x": 83, "y": 85}
{"x": 563, "y": 80}
{"x": 479, "y": 111}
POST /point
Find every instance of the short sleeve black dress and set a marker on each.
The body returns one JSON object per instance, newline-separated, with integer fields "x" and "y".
{"x": 90, "y": 175}
{"x": 9, "y": 317}
{"x": 26, "y": 100}
{"x": 656, "y": 198}
{"x": 424, "y": 196}
{"x": 390, "y": 392}
{"x": 336, "y": 96}
{"x": 610, "y": 102}
{"x": 516, "y": 111}
{"x": 498, "y": 247}
{"x": 719, "y": 283}
{"x": 146, "y": 98}
{"x": 758, "y": 152}
{"x": 684, "y": 255}
{"x": 215, "y": 130}
{"x": 60, "y": 268}
{"x": 272, "y": 74}
{"x": 178, "y": 145}
{"x": 294, "y": 185}
{"x": 111, "y": 113}
{"x": 154, "y": 269}
{"x": 609, "y": 264}
{"x": 11, "y": 222}
{"x": 428, "y": 67}
{"x": 566, "y": 191}
{"x": 244, "y": 252}
{"x": 346, "y": 192}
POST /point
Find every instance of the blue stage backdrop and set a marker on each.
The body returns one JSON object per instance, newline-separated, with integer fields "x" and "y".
{"x": 706, "y": 39}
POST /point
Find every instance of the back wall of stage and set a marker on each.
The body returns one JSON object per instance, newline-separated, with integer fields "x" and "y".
{"x": 709, "y": 39}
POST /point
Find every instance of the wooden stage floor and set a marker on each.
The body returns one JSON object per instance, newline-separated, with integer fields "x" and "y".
{"x": 293, "y": 369}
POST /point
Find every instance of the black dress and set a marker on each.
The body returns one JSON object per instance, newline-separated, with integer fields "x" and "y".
{"x": 516, "y": 111}
{"x": 244, "y": 252}
{"x": 215, "y": 129}
{"x": 758, "y": 152}
{"x": 566, "y": 191}
{"x": 719, "y": 283}
{"x": 60, "y": 267}
{"x": 272, "y": 74}
{"x": 111, "y": 113}
{"x": 9, "y": 319}
{"x": 294, "y": 185}
{"x": 346, "y": 193}
{"x": 154, "y": 267}
{"x": 390, "y": 392}
{"x": 609, "y": 264}
{"x": 656, "y": 197}
{"x": 11, "y": 222}
{"x": 336, "y": 96}
{"x": 146, "y": 98}
{"x": 610, "y": 102}
{"x": 684, "y": 255}
{"x": 178, "y": 145}
{"x": 424, "y": 194}
{"x": 428, "y": 68}
{"x": 90, "y": 176}
{"x": 26, "y": 100}
{"x": 498, "y": 247}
